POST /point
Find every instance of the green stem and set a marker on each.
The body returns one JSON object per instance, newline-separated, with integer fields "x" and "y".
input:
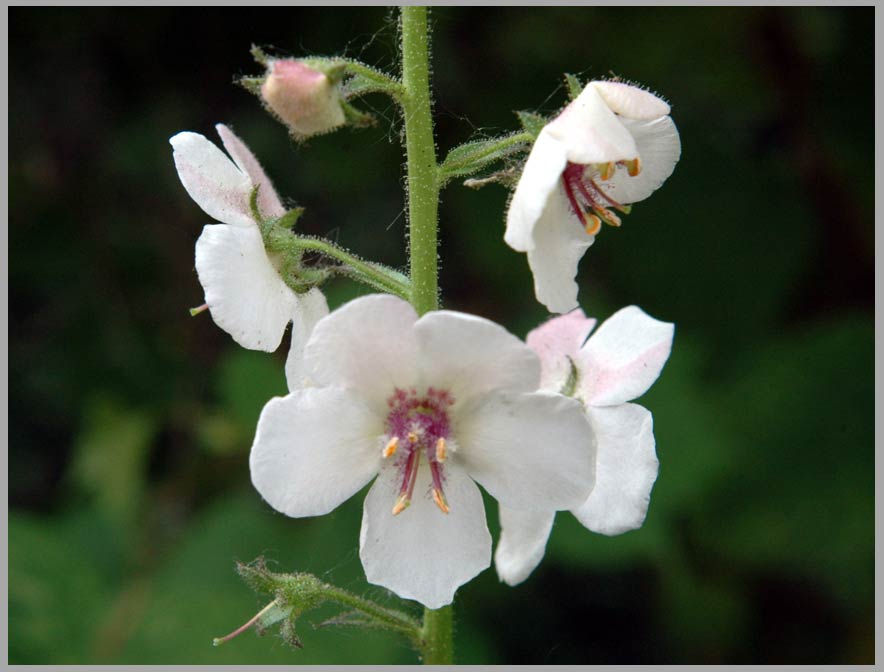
{"x": 389, "y": 619}
{"x": 437, "y": 637}
{"x": 375, "y": 275}
{"x": 423, "y": 183}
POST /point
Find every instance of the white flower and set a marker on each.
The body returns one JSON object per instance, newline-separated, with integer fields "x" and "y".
{"x": 244, "y": 291}
{"x": 618, "y": 363}
{"x": 428, "y": 406}
{"x": 614, "y": 145}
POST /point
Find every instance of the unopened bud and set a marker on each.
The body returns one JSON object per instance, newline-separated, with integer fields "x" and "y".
{"x": 303, "y": 98}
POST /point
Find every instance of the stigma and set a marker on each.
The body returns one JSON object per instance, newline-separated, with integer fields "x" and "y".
{"x": 588, "y": 199}
{"x": 418, "y": 427}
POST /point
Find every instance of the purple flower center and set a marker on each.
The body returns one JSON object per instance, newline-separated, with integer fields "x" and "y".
{"x": 585, "y": 194}
{"x": 416, "y": 425}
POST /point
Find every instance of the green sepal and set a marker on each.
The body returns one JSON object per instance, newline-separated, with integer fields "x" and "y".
{"x": 532, "y": 122}
{"x": 472, "y": 157}
{"x": 289, "y": 219}
{"x": 570, "y": 385}
{"x": 357, "y": 118}
{"x": 575, "y": 88}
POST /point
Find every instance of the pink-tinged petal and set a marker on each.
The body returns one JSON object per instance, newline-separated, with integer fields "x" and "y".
{"x": 626, "y": 468}
{"x": 557, "y": 342}
{"x": 268, "y": 201}
{"x": 659, "y": 149}
{"x": 631, "y": 101}
{"x": 367, "y": 345}
{"x": 591, "y": 132}
{"x": 529, "y": 451}
{"x": 560, "y": 242}
{"x": 423, "y": 554}
{"x": 247, "y": 297}
{"x": 469, "y": 355}
{"x": 523, "y": 537}
{"x": 623, "y": 358}
{"x": 311, "y": 308}
{"x": 541, "y": 175}
{"x": 212, "y": 179}
{"x": 314, "y": 449}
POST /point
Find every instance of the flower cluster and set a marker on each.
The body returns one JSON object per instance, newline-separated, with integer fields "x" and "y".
{"x": 427, "y": 408}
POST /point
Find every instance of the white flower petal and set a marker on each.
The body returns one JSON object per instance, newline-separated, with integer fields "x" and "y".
{"x": 539, "y": 180}
{"x": 523, "y": 537}
{"x": 268, "y": 201}
{"x": 555, "y": 341}
{"x": 246, "y": 295}
{"x": 468, "y": 356}
{"x": 528, "y": 450}
{"x": 659, "y": 149}
{"x": 311, "y": 308}
{"x": 623, "y": 358}
{"x": 560, "y": 242}
{"x": 212, "y": 179}
{"x": 591, "y": 132}
{"x": 366, "y": 345}
{"x": 626, "y": 468}
{"x": 423, "y": 554}
{"x": 631, "y": 101}
{"x": 314, "y": 449}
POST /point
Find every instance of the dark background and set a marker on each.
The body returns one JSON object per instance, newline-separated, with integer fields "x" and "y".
{"x": 130, "y": 422}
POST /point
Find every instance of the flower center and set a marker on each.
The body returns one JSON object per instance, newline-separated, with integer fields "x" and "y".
{"x": 585, "y": 195}
{"x": 418, "y": 425}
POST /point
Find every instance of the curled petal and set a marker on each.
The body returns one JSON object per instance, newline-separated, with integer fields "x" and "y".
{"x": 560, "y": 243}
{"x": 541, "y": 174}
{"x": 523, "y": 537}
{"x": 591, "y": 132}
{"x": 212, "y": 179}
{"x": 557, "y": 342}
{"x": 631, "y": 101}
{"x": 314, "y": 449}
{"x": 659, "y": 149}
{"x": 626, "y": 468}
{"x": 246, "y": 296}
{"x": 268, "y": 201}
{"x": 366, "y": 345}
{"x": 469, "y": 355}
{"x": 311, "y": 308}
{"x": 623, "y": 358}
{"x": 423, "y": 554}
{"x": 528, "y": 450}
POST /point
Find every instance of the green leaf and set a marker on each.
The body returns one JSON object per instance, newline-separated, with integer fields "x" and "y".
{"x": 575, "y": 88}
{"x": 532, "y": 123}
{"x": 473, "y": 156}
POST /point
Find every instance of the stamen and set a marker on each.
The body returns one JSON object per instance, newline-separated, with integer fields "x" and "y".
{"x": 591, "y": 224}
{"x": 441, "y": 450}
{"x": 407, "y": 489}
{"x": 607, "y": 170}
{"x": 390, "y": 448}
{"x": 633, "y": 167}
{"x": 439, "y": 499}
{"x": 401, "y": 504}
{"x": 607, "y": 216}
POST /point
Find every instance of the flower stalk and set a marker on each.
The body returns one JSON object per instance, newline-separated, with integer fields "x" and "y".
{"x": 423, "y": 202}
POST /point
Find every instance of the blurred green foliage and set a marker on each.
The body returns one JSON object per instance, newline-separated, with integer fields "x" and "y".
{"x": 130, "y": 423}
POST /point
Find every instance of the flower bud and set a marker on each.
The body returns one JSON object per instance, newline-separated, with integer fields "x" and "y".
{"x": 304, "y": 99}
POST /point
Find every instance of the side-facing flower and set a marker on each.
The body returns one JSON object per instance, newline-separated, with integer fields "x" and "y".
{"x": 428, "y": 405}
{"x": 613, "y": 145}
{"x": 618, "y": 363}
{"x": 245, "y": 294}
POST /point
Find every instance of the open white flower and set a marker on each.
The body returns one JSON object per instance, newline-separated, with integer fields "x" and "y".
{"x": 244, "y": 291}
{"x": 428, "y": 405}
{"x": 612, "y": 146}
{"x": 618, "y": 363}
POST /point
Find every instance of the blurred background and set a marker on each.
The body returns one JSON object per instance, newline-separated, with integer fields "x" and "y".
{"x": 131, "y": 422}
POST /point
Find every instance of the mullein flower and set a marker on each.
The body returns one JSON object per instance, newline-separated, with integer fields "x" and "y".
{"x": 303, "y": 98}
{"x": 612, "y": 146}
{"x": 428, "y": 406}
{"x": 244, "y": 291}
{"x": 618, "y": 363}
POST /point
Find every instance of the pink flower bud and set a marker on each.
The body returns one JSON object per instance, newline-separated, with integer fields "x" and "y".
{"x": 303, "y": 98}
